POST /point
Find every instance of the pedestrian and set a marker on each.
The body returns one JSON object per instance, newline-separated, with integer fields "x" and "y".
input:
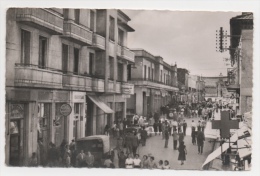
{"x": 143, "y": 136}
{"x": 160, "y": 165}
{"x": 68, "y": 160}
{"x": 41, "y": 157}
{"x": 121, "y": 128}
{"x": 72, "y": 145}
{"x": 73, "y": 157}
{"x": 152, "y": 164}
{"x": 33, "y": 160}
{"x": 62, "y": 148}
{"x": 67, "y": 150}
{"x": 115, "y": 159}
{"x": 199, "y": 125}
{"x": 160, "y": 127}
{"x": 203, "y": 125}
{"x": 175, "y": 139}
{"x": 80, "y": 159}
{"x": 193, "y": 125}
{"x": 193, "y": 136}
{"x": 145, "y": 162}
{"x": 181, "y": 137}
{"x": 184, "y": 126}
{"x": 121, "y": 159}
{"x": 134, "y": 143}
{"x": 174, "y": 125}
{"x": 196, "y": 112}
{"x": 200, "y": 141}
{"x": 141, "y": 121}
{"x": 166, "y": 165}
{"x": 137, "y": 161}
{"x": 163, "y": 126}
{"x": 155, "y": 127}
{"x": 90, "y": 159}
{"x": 129, "y": 162}
{"x": 119, "y": 143}
{"x": 166, "y": 138}
{"x": 135, "y": 119}
{"x": 182, "y": 153}
{"x": 51, "y": 155}
{"x": 128, "y": 143}
{"x": 179, "y": 126}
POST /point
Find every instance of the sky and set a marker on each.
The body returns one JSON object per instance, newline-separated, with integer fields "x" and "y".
{"x": 187, "y": 38}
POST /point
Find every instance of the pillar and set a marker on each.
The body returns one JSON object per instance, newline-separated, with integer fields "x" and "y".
{"x": 139, "y": 101}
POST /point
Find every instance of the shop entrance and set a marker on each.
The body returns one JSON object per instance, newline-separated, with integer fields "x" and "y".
{"x": 16, "y": 142}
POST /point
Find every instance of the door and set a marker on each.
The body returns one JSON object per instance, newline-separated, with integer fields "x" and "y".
{"x": 16, "y": 142}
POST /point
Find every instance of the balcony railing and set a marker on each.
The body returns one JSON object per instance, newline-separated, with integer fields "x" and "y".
{"x": 44, "y": 19}
{"x": 98, "y": 42}
{"x": 28, "y": 75}
{"x": 118, "y": 87}
{"x": 77, "y": 33}
{"x": 110, "y": 86}
{"x": 77, "y": 82}
{"x": 151, "y": 82}
{"x": 128, "y": 55}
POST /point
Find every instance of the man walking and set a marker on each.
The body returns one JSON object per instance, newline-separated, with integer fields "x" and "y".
{"x": 134, "y": 143}
{"x": 143, "y": 136}
{"x": 184, "y": 126}
{"x": 166, "y": 135}
{"x": 175, "y": 139}
{"x": 200, "y": 141}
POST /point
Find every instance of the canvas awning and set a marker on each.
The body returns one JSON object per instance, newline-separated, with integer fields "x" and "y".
{"x": 218, "y": 151}
{"x": 244, "y": 147}
{"x": 100, "y": 104}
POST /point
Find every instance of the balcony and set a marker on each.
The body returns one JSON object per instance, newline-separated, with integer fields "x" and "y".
{"x": 98, "y": 42}
{"x": 77, "y": 82}
{"x": 77, "y": 33}
{"x": 125, "y": 53}
{"x": 110, "y": 86}
{"x": 128, "y": 55}
{"x": 43, "y": 19}
{"x": 27, "y": 75}
{"x": 98, "y": 85}
{"x": 152, "y": 84}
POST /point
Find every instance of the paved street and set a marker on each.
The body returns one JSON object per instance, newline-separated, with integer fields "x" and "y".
{"x": 155, "y": 146}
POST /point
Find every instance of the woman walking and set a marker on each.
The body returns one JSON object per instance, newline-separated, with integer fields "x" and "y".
{"x": 182, "y": 153}
{"x": 155, "y": 128}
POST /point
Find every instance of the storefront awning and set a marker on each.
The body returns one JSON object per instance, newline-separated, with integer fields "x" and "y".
{"x": 100, "y": 104}
{"x": 218, "y": 151}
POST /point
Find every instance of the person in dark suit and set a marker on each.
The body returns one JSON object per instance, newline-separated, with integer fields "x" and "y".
{"x": 134, "y": 143}
{"x": 184, "y": 126}
{"x": 200, "y": 141}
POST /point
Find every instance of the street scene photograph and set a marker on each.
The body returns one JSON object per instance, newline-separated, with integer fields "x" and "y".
{"x": 128, "y": 89}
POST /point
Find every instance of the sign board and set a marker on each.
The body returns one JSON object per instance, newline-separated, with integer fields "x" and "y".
{"x": 65, "y": 109}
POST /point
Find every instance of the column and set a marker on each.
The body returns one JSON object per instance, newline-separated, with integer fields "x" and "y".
{"x": 139, "y": 101}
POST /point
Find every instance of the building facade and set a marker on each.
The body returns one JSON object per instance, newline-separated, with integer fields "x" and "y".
{"x": 196, "y": 89}
{"x": 240, "y": 80}
{"x": 155, "y": 83}
{"x": 183, "y": 78}
{"x": 66, "y": 76}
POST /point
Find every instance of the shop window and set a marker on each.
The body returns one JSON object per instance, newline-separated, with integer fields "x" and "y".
{"x": 25, "y": 47}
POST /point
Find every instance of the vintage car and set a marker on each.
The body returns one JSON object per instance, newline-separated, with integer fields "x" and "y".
{"x": 98, "y": 145}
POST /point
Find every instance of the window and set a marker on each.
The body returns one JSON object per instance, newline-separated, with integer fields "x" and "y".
{"x": 120, "y": 37}
{"x": 92, "y": 20}
{"x": 65, "y": 56}
{"x": 42, "y": 52}
{"x": 112, "y": 28}
{"x": 25, "y": 47}
{"x": 145, "y": 72}
{"x": 91, "y": 63}
{"x": 129, "y": 72}
{"x": 111, "y": 68}
{"x": 149, "y": 76}
{"x": 120, "y": 72}
{"x": 161, "y": 76}
{"x": 77, "y": 15}
{"x": 152, "y": 74}
{"x": 76, "y": 61}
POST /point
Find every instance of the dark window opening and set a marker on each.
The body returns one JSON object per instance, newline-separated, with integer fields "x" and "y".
{"x": 25, "y": 47}
{"x": 76, "y": 61}
{"x": 42, "y": 52}
{"x": 129, "y": 72}
{"x": 111, "y": 68}
{"x": 77, "y": 15}
{"x": 92, "y": 20}
{"x": 65, "y": 57}
{"x": 112, "y": 28}
{"x": 91, "y": 63}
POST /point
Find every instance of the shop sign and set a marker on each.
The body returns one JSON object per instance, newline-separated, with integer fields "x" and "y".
{"x": 127, "y": 89}
{"x": 126, "y": 96}
{"x": 17, "y": 111}
{"x": 65, "y": 109}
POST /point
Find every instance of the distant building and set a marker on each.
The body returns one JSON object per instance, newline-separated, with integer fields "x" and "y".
{"x": 183, "y": 76}
{"x": 196, "y": 89}
{"x": 155, "y": 83}
{"x": 215, "y": 86}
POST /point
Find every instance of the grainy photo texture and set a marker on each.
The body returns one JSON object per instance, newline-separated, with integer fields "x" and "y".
{"x": 146, "y": 89}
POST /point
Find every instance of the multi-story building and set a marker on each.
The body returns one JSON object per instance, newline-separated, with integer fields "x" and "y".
{"x": 240, "y": 76}
{"x": 66, "y": 76}
{"x": 196, "y": 89}
{"x": 155, "y": 83}
{"x": 183, "y": 76}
